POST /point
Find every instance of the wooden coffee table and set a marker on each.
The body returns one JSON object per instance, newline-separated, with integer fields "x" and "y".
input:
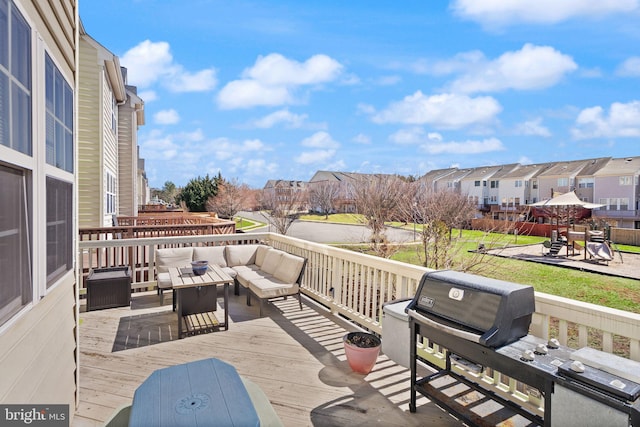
{"x": 197, "y": 298}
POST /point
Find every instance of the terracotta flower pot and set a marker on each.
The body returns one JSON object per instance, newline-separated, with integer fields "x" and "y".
{"x": 361, "y": 349}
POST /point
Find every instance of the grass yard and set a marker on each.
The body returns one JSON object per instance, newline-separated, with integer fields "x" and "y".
{"x": 609, "y": 291}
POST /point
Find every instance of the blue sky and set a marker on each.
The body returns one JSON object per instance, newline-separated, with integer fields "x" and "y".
{"x": 281, "y": 89}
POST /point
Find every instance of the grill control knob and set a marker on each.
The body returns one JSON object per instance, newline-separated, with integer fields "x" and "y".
{"x": 541, "y": 349}
{"x": 577, "y": 366}
{"x": 553, "y": 343}
{"x": 528, "y": 356}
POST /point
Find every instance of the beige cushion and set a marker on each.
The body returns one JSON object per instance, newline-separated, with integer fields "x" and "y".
{"x": 271, "y": 261}
{"x": 245, "y": 276}
{"x": 164, "y": 281}
{"x": 213, "y": 254}
{"x": 261, "y": 252}
{"x": 240, "y": 254}
{"x": 173, "y": 257}
{"x": 289, "y": 268}
{"x": 270, "y": 287}
{"x": 230, "y": 271}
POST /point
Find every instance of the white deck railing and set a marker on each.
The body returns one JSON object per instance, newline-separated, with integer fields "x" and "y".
{"x": 356, "y": 286}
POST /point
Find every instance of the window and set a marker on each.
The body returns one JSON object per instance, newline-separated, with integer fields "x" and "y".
{"x": 534, "y": 184}
{"x": 563, "y": 182}
{"x": 518, "y": 183}
{"x": 15, "y": 242}
{"x": 114, "y": 118}
{"x": 476, "y": 183}
{"x": 626, "y": 180}
{"x": 494, "y": 184}
{"x": 59, "y": 229}
{"x": 586, "y": 182}
{"x": 110, "y": 194}
{"x": 15, "y": 79}
{"x": 59, "y": 101}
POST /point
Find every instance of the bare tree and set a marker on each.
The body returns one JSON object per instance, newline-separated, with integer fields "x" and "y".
{"x": 283, "y": 207}
{"x": 377, "y": 198}
{"x": 231, "y": 198}
{"x": 323, "y": 196}
{"x": 439, "y": 212}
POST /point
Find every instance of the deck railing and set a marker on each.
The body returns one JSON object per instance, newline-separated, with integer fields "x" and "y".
{"x": 356, "y": 286}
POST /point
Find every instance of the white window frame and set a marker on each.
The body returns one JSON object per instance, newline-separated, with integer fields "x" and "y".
{"x": 36, "y": 167}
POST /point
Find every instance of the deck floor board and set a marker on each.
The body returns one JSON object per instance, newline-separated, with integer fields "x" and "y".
{"x": 296, "y": 357}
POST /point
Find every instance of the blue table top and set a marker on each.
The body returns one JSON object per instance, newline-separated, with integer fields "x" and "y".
{"x": 208, "y": 392}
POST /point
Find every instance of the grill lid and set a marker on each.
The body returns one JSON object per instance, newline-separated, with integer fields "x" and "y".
{"x": 488, "y": 311}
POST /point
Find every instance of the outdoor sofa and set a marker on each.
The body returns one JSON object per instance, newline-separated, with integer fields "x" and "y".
{"x": 265, "y": 272}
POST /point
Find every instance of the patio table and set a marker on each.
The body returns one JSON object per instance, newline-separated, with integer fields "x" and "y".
{"x": 199, "y": 294}
{"x": 207, "y": 392}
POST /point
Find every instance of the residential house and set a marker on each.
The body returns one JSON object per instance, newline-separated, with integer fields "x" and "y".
{"x": 38, "y": 228}
{"x": 585, "y": 180}
{"x": 344, "y": 180}
{"x": 562, "y": 177}
{"x": 618, "y": 188}
{"x": 101, "y": 90}
{"x": 286, "y": 195}
{"x": 511, "y": 190}
{"x": 433, "y": 180}
{"x": 131, "y": 184}
{"x": 476, "y": 184}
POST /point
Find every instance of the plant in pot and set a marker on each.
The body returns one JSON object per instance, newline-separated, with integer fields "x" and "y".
{"x": 361, "y": 349}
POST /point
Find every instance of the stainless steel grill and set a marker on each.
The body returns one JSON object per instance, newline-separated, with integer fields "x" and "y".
{"x": 484, "y": 324}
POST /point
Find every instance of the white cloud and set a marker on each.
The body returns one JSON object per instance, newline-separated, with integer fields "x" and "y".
{"x": 289, "y": 119}
{"x": 361, "y": 138}
{"x": 251, "y": 93}
{"x": 253, "y": 145}
{"x": 442, "y": 111}
{"x": 316, "y": 156}
{"x": 148, "y": 96}
{"x": 532, "y": 67}
{"x": 407, "y": 136}
{"x": 524, "y": 160}
{"x": 260, "y": 167}
{"x": 276, "y": 70}
{"x": 273, "y": 80}
{"x": 466, "y": 147}
{"x": 166, "y": 117}
{"x": 623, "y": 121}
{"x": 533, "y": 127}
{"x": 150, "y": 62}
{"x": 183, "y": 81}
{"x": 630, "y": 67}
{"x": 320, "y": 140}
{"x": 388, "y": 80}
{"x": 505, "y": 12}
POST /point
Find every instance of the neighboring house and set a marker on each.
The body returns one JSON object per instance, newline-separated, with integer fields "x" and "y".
{"x": 617, "y": 187}
{"x": 585, "y": 180}
{"x": 511, "y": 190}
{"x": 562, "y": 177}
{"x": 344, "y": 180}
{"x": 433, "y": 179}
{"x": 288, "y": 195}
{"x": 144, "y": 191}
{"x": 453, "y": 181}
{"x": 38, "y": 228}
{"x": 130, "y": 183}
{"x": 101, "y": 90}
{"x": 476, "y": 184}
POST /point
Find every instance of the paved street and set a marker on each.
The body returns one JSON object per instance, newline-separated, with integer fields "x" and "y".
{"x": 331, "y": 233}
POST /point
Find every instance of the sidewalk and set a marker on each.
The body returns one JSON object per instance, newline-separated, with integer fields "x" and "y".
{"x": 623, "y": 265}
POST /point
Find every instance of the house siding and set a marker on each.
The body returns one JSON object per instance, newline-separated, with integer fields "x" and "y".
{"x": 110, "y": 145}
{"x": 128, "y": 157}
{"x": 38, "y": 347}
{"x": 89, "y": 152}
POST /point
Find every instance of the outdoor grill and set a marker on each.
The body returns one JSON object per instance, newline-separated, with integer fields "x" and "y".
{"x": 484, "y": 324}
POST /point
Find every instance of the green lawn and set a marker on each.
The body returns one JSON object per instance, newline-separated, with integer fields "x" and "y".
{"x": 609, "y": 291}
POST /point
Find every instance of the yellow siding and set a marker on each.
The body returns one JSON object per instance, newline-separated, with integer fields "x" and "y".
{"x": 128, "y": 159}
{"x": 89, "y": 146}
{"x": 110, "y": 141}
{"x": 37, "y": 354}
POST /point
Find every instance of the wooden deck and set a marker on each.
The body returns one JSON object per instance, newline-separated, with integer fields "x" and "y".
{"x": 295, "y": 356}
